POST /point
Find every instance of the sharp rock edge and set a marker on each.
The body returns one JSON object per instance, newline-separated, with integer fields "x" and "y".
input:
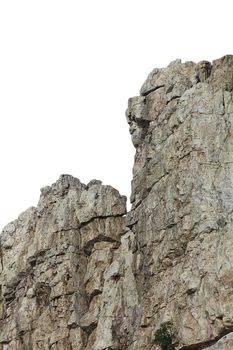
{"x": 78, "y": 272}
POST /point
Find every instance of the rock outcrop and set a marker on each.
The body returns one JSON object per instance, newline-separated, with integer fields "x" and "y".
{"x": 78, "y": 272}
{"x": 64, "y": 267}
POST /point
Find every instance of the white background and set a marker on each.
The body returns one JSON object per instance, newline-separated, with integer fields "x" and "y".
{"x": 67, "y": 69}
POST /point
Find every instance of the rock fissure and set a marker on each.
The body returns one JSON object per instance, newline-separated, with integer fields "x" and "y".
{"x": 206, "y": 344}
{"x": 83, "y": 224}
{"x": 148, "y": 92}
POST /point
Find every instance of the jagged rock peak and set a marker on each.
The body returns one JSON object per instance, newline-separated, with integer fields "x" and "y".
{"x": 182, "y": 195}
{"x": 182, "y": 76}
{"x": 79, "y": 273}
{"x": 53, "y": 259}
{"x": 167, "y": 84}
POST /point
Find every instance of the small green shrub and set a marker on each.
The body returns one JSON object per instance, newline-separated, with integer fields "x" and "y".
{"x": 165, "y": 337}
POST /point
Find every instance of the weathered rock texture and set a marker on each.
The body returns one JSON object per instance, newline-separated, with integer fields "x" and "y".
{"x": 182, "y": 203}
{"x": 77, "y": 273}
{"x": 64, "y": 267}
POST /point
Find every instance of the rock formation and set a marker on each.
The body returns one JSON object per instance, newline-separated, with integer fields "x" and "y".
{"x": 78, "y": 272}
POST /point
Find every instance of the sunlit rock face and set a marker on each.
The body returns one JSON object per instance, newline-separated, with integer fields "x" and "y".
{"x": 63, "y": 270}
{"x": 182, "y": 203}
{"x": 78, "y": 272}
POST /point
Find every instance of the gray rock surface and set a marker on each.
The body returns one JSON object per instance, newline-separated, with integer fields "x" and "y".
{"x": 60, "y": 263}
{"x": 182, "y": 195}
{"x": 78, "y": 273}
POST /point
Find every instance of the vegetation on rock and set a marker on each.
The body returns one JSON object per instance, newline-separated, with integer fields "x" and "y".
{"x": 164, "y": 336}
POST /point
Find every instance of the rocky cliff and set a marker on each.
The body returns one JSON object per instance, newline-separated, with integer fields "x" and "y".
{"x": 78, "y": 272}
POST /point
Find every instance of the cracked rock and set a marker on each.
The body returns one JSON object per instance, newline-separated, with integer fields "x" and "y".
{"x": 78, "y": 272}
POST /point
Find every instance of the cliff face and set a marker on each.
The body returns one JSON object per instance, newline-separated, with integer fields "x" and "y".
{"x": 64, "y": 267}
{"x": 77, "y": 272}
{"x": 182, "y": 205}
